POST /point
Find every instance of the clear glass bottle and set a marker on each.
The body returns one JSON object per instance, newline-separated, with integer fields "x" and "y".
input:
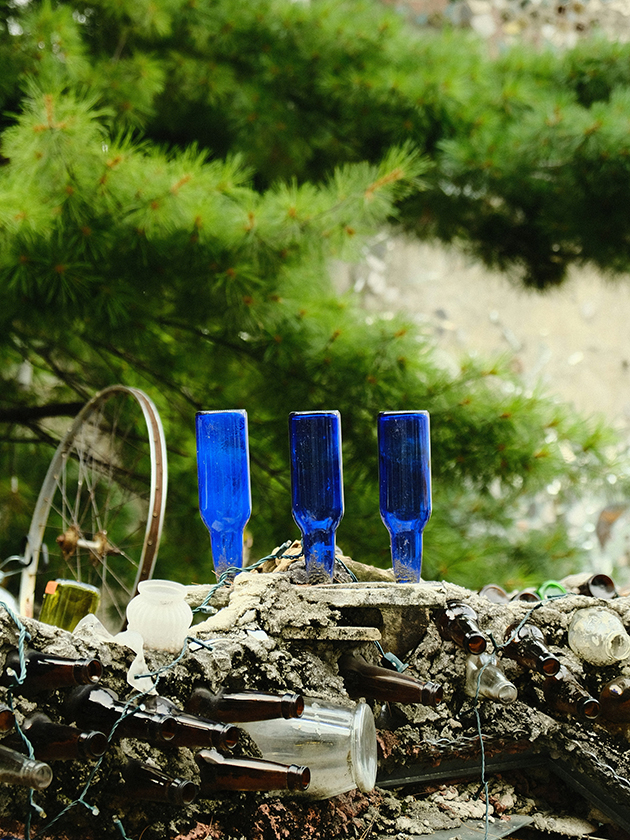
{"x": 336, "y": 743}
{"x": 234, "y": 707}
{"x": 225, "y": 500}
{"x": 47, "y": 672}
{"x": 18, "y": 769}
{"x": 563, "y": 693}
{"x": 146, "y": 782}
{"x": 404, "y": 446}
{"x": 317, "y": 487}
{"x": 484, "y": 678}
{"x": 386, "y": 685}
{"x": 529, "y": 650}
{"x": 255, "y": 774}
{"x": 458, "y": 623}
{"x": 598, "y": 636}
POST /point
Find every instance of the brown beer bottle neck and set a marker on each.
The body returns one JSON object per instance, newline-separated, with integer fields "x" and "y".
{"x": 148, "y": 783}
{"x": 385, "y": 685}
{"x": 7, "y": 719}
{"x": 255, "y": 774}
{"x": 529, "y": 650}
{"x": 565, "y": 694}
{"x": 47, "y": 672}
{"x": 244, "y": 706}
{"x": 95, "y": 706}
{"x": 458, "y": 623}
{"x": 192, "y": 730}
{"x": 614, "y": 700}
{"x": 57, "y": 742}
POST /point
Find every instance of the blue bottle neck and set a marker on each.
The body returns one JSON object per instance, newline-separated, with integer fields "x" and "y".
{"x": 319, "y": 554}
{"x": 407, "y": 555}
{"x": 227, "y": 549}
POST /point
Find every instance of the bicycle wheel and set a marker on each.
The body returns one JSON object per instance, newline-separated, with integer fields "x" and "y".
{"x": 101, "y": 507}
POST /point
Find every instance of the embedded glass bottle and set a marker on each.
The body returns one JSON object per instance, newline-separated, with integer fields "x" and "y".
{"x": 598, "y": 636}
{"x": 336, "y": 743}
{"x": 225, "y": 499}
{"x": 192, "y": 730}
{"x": 564, "y": 694}
{"x": 484, "y": 678}
{"x": 255, "y": 774}
{"x": 58, "y": 742}
{"x": 18, "y": 769}
{"x": 242, "y": 706}
{"x": 375, "y": 682}
{"x": 458, "y": 623}
{"x": 526, "y": 645}
{"x": 96, "y": 706}
{"x": 404, "y": 446}
{"x": 146, "y": 782}
{"x": 7, "y": 719}
{"x": 316, "y": 487}
{"x": 47, "y": 672}
{"x": 614, "y": 700}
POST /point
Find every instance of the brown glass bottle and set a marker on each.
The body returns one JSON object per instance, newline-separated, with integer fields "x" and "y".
{"x": 58, "y": 742}
{"x": 192, "y": 730}
{"x": 96, "y": 706}
{"x": 46, "y": 672}
{"x": 7, "y": 719}
{"x": 614, "y": 700}
{"x": 458, "y": 623}
{"x": 384, "y": 684}
{"x": 221, "y": 773}
{"x": 564, "y": 694}
{"x": 529, "y": 650}
{"x": 599, "y": 586}
{"x": 146, "y": 782}
{"x": 245, "y": 706}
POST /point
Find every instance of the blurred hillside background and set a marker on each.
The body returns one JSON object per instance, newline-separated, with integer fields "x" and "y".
{"x": 574, "y": 341}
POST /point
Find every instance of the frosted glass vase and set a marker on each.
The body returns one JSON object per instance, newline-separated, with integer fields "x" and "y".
{"x": 160, "y": 614}
{"x": 598, "y": 636}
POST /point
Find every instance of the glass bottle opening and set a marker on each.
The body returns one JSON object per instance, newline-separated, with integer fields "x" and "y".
{"x": 363, "y": 748}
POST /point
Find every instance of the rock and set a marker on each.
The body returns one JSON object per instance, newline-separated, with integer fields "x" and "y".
{"x": 254, "y": 641}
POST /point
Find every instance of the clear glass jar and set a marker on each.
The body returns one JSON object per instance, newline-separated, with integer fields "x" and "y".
{"x": 336, "y": 743}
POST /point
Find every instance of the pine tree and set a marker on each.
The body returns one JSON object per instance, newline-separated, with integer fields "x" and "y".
{"x": 176, "y": 178}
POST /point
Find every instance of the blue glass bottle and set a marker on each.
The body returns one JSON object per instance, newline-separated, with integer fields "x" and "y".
{"x": 225, "y": 498}
{"x": 404, "y": 446}
{"x": 316, "y": 487}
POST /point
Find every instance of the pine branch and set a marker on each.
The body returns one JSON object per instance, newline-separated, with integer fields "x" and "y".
{"x": 26, "y": 414}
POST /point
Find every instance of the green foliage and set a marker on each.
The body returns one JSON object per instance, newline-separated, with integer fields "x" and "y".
{"x": 177, "y": 177}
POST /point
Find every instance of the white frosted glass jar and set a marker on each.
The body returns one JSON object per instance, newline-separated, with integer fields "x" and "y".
{"x": 336, "y": 743}
{"x": 160, "y": 614}
{"x": 598, "y": 636}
